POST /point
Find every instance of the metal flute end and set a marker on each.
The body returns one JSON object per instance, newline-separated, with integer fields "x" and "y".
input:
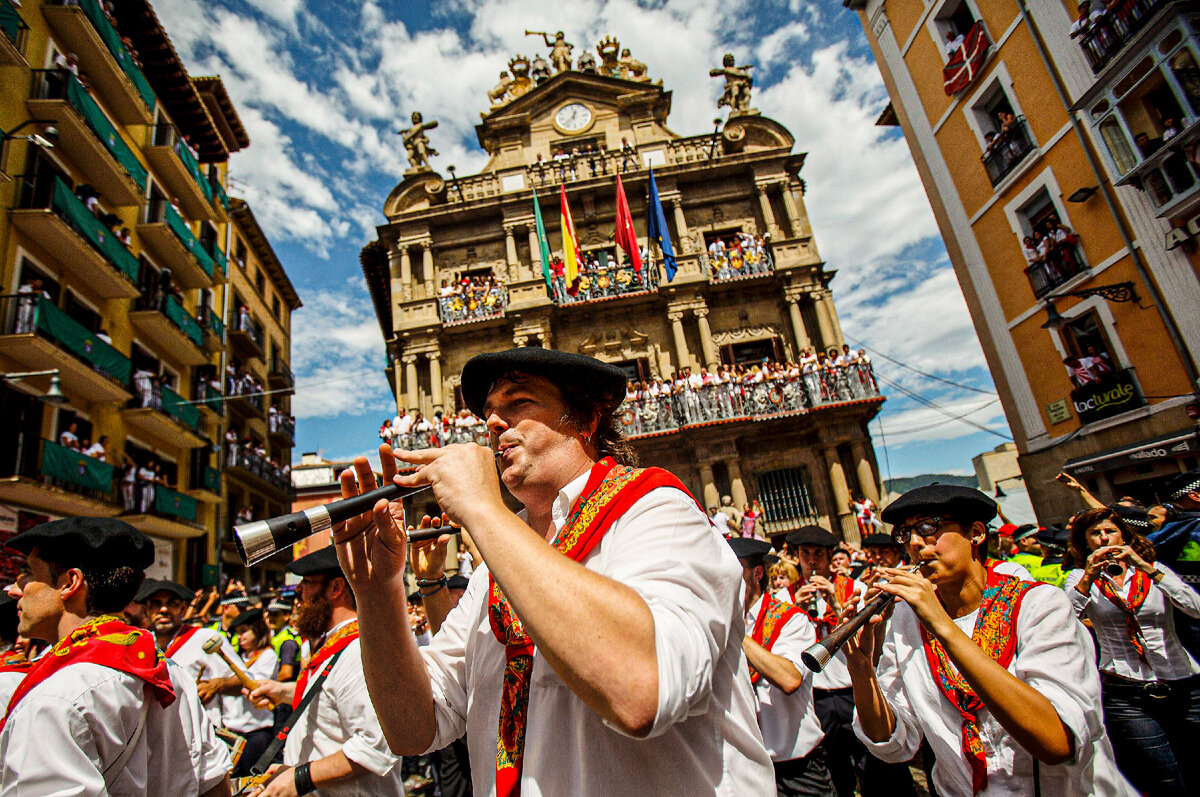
{"x": 255, "y": 542}
{"x": 816, "y": 657}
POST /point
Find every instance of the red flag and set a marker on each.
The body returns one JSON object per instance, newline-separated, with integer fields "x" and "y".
{"x": 966, "y": 62}
{"x": 572, "y": 257}
{"x": 625, "y": 236}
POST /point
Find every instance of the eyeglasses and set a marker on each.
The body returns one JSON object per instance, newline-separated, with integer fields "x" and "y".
{"x": 924, "y": 528}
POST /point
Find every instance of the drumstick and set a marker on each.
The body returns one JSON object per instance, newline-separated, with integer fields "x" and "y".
{"x": 214, "y": 646}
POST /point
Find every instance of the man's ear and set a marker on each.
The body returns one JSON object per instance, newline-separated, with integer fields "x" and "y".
{"x": 70, "y": 583}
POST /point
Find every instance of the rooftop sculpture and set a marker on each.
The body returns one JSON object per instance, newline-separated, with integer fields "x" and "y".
{"x": 523, "y": 74}
{"x": 416, "y": 143}
{"x": 737, "y": 85}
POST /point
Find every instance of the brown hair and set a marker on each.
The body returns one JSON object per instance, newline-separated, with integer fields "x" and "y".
{"x": 1077, "y": 547}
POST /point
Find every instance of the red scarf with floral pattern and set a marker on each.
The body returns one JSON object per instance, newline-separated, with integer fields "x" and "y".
{"x": 1138, "y": 590}
{"x": 773, "y": 615}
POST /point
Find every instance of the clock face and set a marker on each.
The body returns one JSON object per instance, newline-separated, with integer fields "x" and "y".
{"x": 573, "y": 117}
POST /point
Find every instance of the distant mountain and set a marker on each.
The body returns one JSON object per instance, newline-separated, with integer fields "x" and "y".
{"x": 908, "y": 482}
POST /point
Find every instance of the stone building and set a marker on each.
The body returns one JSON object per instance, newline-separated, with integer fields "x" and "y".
{"x": 750, "y": 284}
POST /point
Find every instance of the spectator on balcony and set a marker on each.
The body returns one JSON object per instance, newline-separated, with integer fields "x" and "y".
{"x": 129, "y": 476}
{"x": 147, "y": 476}
{"x": 422, "y": 429}
{"x": 1097, "y": 362}
{"x": 1087, "y": 18}
{"x": 954, "y": 42}
{"x": 68, "y": 62}
{"x": 1170, "y": 129}
{"x": 1080, "y": 374}
{"x": 1147, "y": 145}
{"x": 1029, "y": 248}
{"x": 386, "y": 433}
{"x": 97, "y": 450}
{"x": 69, "y": 437}
{"x": 27, "y": 304}
{"x": 231, "y": 448}
{"x": 628, "y": 155}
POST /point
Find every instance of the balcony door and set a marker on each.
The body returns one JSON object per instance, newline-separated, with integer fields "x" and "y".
{"x": 20, "y": 432}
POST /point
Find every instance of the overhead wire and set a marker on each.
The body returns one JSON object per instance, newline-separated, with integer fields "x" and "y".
{"x": 938, "y": 408}
{"x": 925, "y": 374}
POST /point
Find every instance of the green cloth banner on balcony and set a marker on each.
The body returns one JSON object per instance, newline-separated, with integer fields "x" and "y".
{"x": 174, "y": 503}
{"x": 220, "y": 194}
{"x": 81, "y": 101}
{"x": 174, "y": 405}
{"x": 219, "y": 258}
{"x": 79, "y": 341}
{"x": 193, "y": 168}
{"x": 184, "y": 234}
{"x": 212, "y": 479}
{"x": 215, "y": 324}
{"x": 78, "y": 216}
{"x": 112, "y": 40}
{"x": 70, "y": 466}
{"x": 188, "y": 325}
{"x": 10, "y": 20}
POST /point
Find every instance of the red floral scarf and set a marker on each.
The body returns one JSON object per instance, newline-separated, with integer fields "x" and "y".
{"x": 773, "y": 615}
{"x": 1138, "y": 590}
{"x": 109, "y": 641}
{"x": 332, "y": 644}
{"x": 610, "y": 490}
{"x": 995, "y": 633}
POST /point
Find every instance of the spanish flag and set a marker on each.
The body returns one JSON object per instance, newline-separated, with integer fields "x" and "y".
{"x": 570, "y": 244}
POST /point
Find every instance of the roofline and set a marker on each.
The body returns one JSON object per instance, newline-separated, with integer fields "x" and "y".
{"x": 244, "y": 217}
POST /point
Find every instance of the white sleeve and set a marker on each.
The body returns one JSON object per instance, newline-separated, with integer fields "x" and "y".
{"x": 210, "y": 756}
{"x": 1079, "y": 601}
{"x": 666, "y": 550}
{"x": 445, "y": 661}
{"x": 797, "y": 636}
{"x": 366, "y": 746}
{"x": 48, "y": 751}
{"x": 1178, "y": 593}
{"x": 906, "y": 737}
{"x": 264, "y": 666}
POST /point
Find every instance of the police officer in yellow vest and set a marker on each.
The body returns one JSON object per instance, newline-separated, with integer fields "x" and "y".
{"x": 284, "y": 641}
{"x": 1054, "y": 544}
{"x": 1029, "y": 550}
{"x": 232, "y": 605}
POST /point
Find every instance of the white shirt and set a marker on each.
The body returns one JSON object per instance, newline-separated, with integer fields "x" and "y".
{"x": 95, "y": 451}
{"x": 68, "y": 439}
{"x": 1010, "y": 568}
{"x": 1053, "y": 655}
{"x": 789, "y": 723}
{"x": 77, "y": 722}
{"x": 201, "y": 666}
{"x": 704, "y": 740}
{"x": 836, "y": 674}
{"x": 1169, "y": 660}
{"x": 237, "y": 712}
{"x": 341, "y": 718}
{"x": 9, "y": 681}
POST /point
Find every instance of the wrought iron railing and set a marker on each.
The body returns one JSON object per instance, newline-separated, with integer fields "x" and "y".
{"x": 278, "y": 423}
{"x": 606, "y": 282}
{"x": 1103, "y": 38}
{"x": 473, "y": 305}
{"x": 737, "y": 264}
{"x": 1007, "y": 149}
{"x": 237, "y": 456}
{"x": 247, "y": 325}
{"x": 1062, "y": 262}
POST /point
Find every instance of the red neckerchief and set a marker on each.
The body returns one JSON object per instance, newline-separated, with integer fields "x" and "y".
{"x": 110, "y": 642}
{"x": 610, "y": 490}
{"x": 180, "y": 640}
{"x": 339, "y": 640}
{"x": 773, "y": 615}
{"x": 1139, "y": 589}
{"x": 843, "y": 588}
{"x": 995, "y": 633}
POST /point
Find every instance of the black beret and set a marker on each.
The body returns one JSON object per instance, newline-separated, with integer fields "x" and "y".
{"x": 152, "y": 585}
{"x": 244, "y": 618}
{"x": 322, "y": 562}
{"x": 812, "y": 535}
{"x": 962, "y": 503}
{"x": 1184, "y": 483}
{"x": 879, "y": 540}
{"x": 457, "y": 582}
{"x": 98, "y": 543}
{"x": 604, "y": 382}
{"x": 748, "y": 548}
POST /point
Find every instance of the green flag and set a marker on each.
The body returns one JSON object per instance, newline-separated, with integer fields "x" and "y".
{"x": 543, "y": 243}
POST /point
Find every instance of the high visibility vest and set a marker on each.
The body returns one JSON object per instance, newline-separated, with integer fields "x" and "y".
{"x": 277, "y": 644}
{"x": 232, "y": 637}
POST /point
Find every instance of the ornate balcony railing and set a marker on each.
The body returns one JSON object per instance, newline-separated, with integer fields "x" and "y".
{"x": 239, "y": 457}
{"x": 471, "y": 306}
{"x": 738, "y": 264}
{"x": 28, "y": 312}
{"x": 606, "y": 282}
{"x": 1061, "y": 264}
{"x": 1007, "y": 149}
{"x": 1105, "y": 37}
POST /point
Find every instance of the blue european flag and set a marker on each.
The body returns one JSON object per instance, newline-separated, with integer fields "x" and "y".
{"x": 656, "y": 229}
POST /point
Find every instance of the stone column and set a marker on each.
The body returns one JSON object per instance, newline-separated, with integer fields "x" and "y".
{"x": 737, "y": 490}
{"x": 398, "y": 376}
{"x": 831, "y": 311}
{"x": 798, "y": 330}
{"x": 510, "y": 252}
{"x": 841, "y": 497}
{"x": 685, "y": 241}
{"x": 793, "y": 212}
{"x": 410, "y": 381}
{"x": 711, "y": 497}
{"x": 405, "y": 272}
{"x": 535, "y": 253}
{"x": 427, "y": 266}
{"x": 435, "y": 379}
{"x": 711, "y": 358}
{"x": 867, "y": 481}
{"x": 764, "y": 202}
{"x": 828, "y": 338}
{"x": 682, "y": 356}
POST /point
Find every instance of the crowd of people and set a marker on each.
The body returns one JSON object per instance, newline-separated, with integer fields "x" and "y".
{"x": 252, "y": 455}
{"x": 586, "y": 161}
{"x": 602, "y": 278}
{"x": 413, "y": 430}
{"x": 743, "y": 255}
{"x": 698, "y": 672}
{"x": 471, "y": 298}
{"x": 1052, "y": 247}
{"x": 241, "y": 382}
{"x": 69, "y": 438}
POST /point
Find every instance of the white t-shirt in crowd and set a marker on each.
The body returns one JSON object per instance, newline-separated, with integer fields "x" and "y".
{"x": 789, "y": 723}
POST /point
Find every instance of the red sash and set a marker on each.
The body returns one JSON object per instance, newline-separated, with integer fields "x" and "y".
{"x": 339, "y": 640}
{"x": 107, "y": 641}
{"x": 773, "y": 615}
{"x": 610, "y": 490}
{"x": 843, "y": 588}
{"x": 179, "y": 641}
{"x": 995, "y": 633}
{"x": 1138, "y": 591}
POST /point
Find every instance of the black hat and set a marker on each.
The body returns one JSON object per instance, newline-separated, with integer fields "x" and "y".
{"x": 812, "y": 535}
{"x": 152, "y": 585}
{"x": 322, "y": 562}
{"x": 748, "y": 548}
{"x": 603, "y": 381}
{"x": 457, "y": 582}
{"x": 1183, "y": 484}
{"x": 246, "y": 617}
{"x": 235, "y": 598}
{"x": 1053, "y": 536}
{"x": 879, "y": 540}
{"x": 98, "y": 543}
{"x": 963, "y": 503}
{"x": 1023, "y": 531}
{"x": 1135, "y": 518}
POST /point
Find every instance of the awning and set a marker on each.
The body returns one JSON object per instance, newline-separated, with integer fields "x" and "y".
{"x": 1168, "y": 446}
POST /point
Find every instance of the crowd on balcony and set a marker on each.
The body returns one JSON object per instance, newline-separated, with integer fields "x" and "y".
{"x": 1102, "y": 26}
{"x": 140, "y": 483}
{"x": 1052, "y": 249}
{"x": 149, "y": 386}
{"x": 599, "y": 280}
{"x": 585, "y": 161}
{"x": 280, "y": 422}
{"x": 742, "y": 255}
{"x": 252, "y": 455}
{"x": 414, "y": 431}
{"x": 471, "y": 299}
{"x": 240, "y": 382}
{"x": 69, "y": 438}
{"x": 1093, "y": 366}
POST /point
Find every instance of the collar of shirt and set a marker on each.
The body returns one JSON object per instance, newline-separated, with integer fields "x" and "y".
{"x": 333, "y": 630}
{"x": 566, "y": 499}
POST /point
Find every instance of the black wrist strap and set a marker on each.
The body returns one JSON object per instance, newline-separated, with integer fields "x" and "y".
{"x": 302, "y": 778}
{"x": 264, "y": 761}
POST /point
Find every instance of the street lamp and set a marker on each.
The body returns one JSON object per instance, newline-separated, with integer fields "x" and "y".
{"x": 1118, "y": 293}
{"x": 454, "y": 183}
{"x": 712, "y": 147}
{"x": 54, "y": 396}
{"x": 45, "y": 139}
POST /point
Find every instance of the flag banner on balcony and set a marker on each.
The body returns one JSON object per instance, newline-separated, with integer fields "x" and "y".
{"x": 626, "y": 236}
{"x": 571, "y": 254}
{"x": 543, "y": 242}
{"x": 963, "y": 67}
{"x": 76, "y": 339}
{"x": 60, "y": 462}
{"x": 175, "y": 504}
{"x": 10, "y": 21}
{"x": 174, "y": 405}
{"x": 656, "y": 229}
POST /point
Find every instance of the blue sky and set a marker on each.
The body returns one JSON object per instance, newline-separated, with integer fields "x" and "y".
{"x": 322, "y": 87}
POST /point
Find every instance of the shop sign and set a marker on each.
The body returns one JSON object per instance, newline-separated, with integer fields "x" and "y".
{"x": 164, "y": 559}
{"x": 1116, "y": 393}
{"x": 1169, "y": 447}
{"x": 1059, "y": 411}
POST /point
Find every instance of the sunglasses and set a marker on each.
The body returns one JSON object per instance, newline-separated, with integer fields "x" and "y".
{"x": 926, "y": 528}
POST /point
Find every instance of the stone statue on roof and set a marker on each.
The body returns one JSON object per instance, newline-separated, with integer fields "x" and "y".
{"x": 416, "y": 143}
{"x": 539, "y": 70}
{"x": 587, "y": 62}
{"x": 631, "y": 68}
{"x": 737, "y": 85}
{"x": 500, "y": 90}
{"x": 560, "y": 49}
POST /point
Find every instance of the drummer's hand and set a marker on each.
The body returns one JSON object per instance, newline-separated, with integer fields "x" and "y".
{"x": 921, "y": 594}
{"x": 268, "y": 692}
{"x": 429, "y": 556}
{"x": 281, "y": 784}
{"x": 208, "y": 689}
{"x": 372, "y": 547}
{"x": 463, "y": 476}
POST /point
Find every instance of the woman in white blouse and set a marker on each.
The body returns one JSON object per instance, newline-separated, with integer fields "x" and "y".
{"x": 1150, "y": 685}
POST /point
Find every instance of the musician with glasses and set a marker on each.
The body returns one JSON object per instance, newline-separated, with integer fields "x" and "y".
{"x": 994, "y": 672}
{"x": 1150, "y": 684}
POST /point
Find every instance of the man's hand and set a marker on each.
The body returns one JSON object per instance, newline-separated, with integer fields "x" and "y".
{"x": 921, "y": 594}
{"x": 429, "y": 556}
{"x": 268, "y": 692}
{"x": 207, "y": 690}
{"x": 372, "y": 547}
{"x": 282, "y": 783}
{"x": 463, "y": 476}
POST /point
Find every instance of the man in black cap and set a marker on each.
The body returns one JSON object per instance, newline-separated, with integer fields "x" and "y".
{"x": 1177, "y": 541}
{"x": 1053, "y": 540}
{"x": 336, "y": 745}
{"x": 993, "y": 671}
{"x": 598, "y": 650}
{"x": 882, "y": 551}
{"x": 103, "y": 712}
{"x": 776, "y": 634}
